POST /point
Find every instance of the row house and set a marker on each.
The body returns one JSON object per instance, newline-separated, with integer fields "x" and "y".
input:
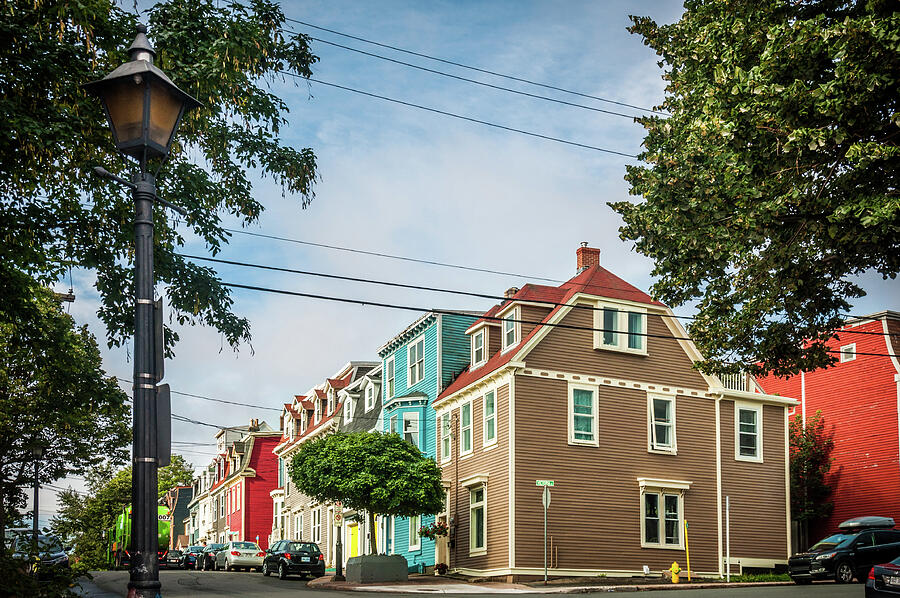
{"x": 591, "y": 385}
{"x": 177, "y": 500}
{"x": 417, "y": 364}
{"x": 203, "y": 511}
{"x": 859, "y": 397}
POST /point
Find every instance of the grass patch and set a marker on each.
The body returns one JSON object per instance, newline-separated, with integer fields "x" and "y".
{"x": 760, "y": 577}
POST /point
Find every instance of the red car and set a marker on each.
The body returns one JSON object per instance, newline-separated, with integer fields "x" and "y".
{"x": 884, "y": 580}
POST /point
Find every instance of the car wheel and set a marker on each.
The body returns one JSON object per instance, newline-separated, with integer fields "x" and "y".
{"x": 227, "y": 565}
{"x": 843, "y": 573}
{"x": 265, "y": 569}
{"x": 282, "y": 571}
{"x": 216, "y": 565}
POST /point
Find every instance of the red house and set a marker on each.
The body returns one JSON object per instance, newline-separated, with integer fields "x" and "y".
{"x": 860, "y": 400}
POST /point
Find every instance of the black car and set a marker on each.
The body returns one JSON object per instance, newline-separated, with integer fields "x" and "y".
{"x": 49, "y": 548}
{"x": 173, "y": 559}
{"x": 860, "y": 544}
{"x": 189, "y": 557}
{"x": 884, "y": 580}
{"x": 294, "y": 557}
{"x": 207, "y": 558}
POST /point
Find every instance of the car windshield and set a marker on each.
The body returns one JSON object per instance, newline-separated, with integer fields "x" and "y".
{"x": 303, "y": 547}
{"x": 245, "y": 545}
{"x": 834, "y": 541}
{"x": 45, "y": 544}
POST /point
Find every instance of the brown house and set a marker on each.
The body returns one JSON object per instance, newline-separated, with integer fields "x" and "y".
{"x": 590, "y": 385}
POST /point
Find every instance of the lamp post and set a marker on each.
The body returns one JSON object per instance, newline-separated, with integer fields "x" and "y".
{"x": 37, "y": 451}
{"x": 144, "y": 109}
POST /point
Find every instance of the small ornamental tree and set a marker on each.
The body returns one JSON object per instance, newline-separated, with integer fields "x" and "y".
{"x": 369, "y": 471}
{"x": 810, "y": 451}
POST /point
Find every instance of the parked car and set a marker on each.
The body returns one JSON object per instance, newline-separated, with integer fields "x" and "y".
{"x": 49, "y": 549}
{"x": 884, "y": 580}
{"x": 173, "y": 559}
{"x": 294, "y": 557}
{"x": 189, "y": 557}
{"x": 236, "y": 555}
{"x": 861, "y": 543}
{"x": 207, "y": 558}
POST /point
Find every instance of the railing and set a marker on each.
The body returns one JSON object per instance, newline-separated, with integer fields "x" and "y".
{"x": 735, "y": 381}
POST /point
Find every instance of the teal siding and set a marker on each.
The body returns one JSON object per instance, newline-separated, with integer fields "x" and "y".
{"x": 456, "y": 347}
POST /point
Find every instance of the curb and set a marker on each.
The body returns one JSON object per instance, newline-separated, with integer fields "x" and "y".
{"x": 326, "y": 583}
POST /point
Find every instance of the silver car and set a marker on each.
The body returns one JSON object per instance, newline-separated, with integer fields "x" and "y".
{"x": 240, "y": 554}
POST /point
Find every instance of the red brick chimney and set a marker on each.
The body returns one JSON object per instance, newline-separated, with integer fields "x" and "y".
{"x": 587, "y": 257}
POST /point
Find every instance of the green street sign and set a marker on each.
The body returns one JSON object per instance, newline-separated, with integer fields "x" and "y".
{"x": 543, "y": 482}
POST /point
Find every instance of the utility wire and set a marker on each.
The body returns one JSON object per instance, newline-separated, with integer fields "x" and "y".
{"x": 187, "y": 394}
{"x": 461, "y": 117}
{"x": 473, "y": 68}
{"x": 476, "y": 82}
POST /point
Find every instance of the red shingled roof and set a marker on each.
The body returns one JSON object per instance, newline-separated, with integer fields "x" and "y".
{"x": 338, "y": 383}
{"x": 321, "y": 393}
{"x": 307, "y": 405}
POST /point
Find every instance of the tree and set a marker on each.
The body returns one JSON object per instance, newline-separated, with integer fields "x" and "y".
{"x": 53, "y": 393}
{"x": 83, "y": 519}
{"x": 54, "y": 214}
{"x": 774, "y": 180}
{"x": 369, "y": 471}
{"x": 810, "y": 456}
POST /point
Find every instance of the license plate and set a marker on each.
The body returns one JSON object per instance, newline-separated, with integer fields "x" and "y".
{"x": 307, "y": 559}
{"x": 891, "y": 580}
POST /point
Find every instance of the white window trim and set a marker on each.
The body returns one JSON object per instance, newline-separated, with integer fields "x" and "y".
{"x": 315, "y": 530}
{"x": 370, "y": 394}
{"x": 621, "y": 327}
{"x": 485, "y": 441}
{"x": 595, "y": 413}
{"x": 411, "y": 366}
{"x": 513, "y": 314}
{"x": 329, "y": 409}
{"x": 737, "y": 431}
{"x": 668, "y": 450}
{"x": 661, "y": 492}
{"x": 471, "y": 430}
{"x": 392, "y": 425}
{"x": 481, "y": 333}
{"x": 446, "y": 433}
{"x": 348, "y": 409}
{"x": 390, "y": 382}
{"x": 848, "y": 353}
{"x": 409, "y": 416}
{"x": 473, "y": 551}
{"x": 414, "y": 531}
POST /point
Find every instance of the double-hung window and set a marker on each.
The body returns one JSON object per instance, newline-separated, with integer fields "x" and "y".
{"x": 662, "y": 423}
{"x": 662, "y": 519}
{"x": 348, "y": 410}
{"x": 411, "y": 427}
{"x": 583, "y": 419}
{"x": 477, "y": 521}
{"x": 510, "y": 329}
{"x": 489, "y": 425}
{"x": 370, "y": 397}
{"x": 389, "y": 379}
{"x": 415, "y": 541}
{"x": 298, "y": 525}
{"x": 465, "y": 429}
{"x": 416, "y": 361}
{"x": 478, "y": 350}
{"x": 622, "y": 328}
{"x": 330, "y": 408}
{"x": 316, "y": 525}
{"x": 848, "y": 353}
{"x": 393, "y": 425}
{"x": 748, "y": 432}
{"x": 446, "y": 437}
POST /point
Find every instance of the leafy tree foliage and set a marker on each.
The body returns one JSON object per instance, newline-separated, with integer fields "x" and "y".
{"x": 55, "y": 214}
{"x": 775, "y": 178}
{"x": 810, "y": 454}
{"x": 83, "y": 519}
{"x": 369, "y": 471}
{"x": 53, "y": 393}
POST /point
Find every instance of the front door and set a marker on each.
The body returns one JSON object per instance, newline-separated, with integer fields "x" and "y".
{"x": 354, "y": 540}
{"x": 442, "y": 545}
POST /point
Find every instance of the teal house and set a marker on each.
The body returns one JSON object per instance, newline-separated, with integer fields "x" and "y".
{"x": 417, "y": 365}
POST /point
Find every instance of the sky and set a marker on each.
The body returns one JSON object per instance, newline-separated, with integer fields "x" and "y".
{"x": 400, "y": 180}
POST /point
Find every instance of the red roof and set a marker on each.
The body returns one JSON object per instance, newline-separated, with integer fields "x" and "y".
{"x": 321, "y": 393}
{"x": 338, "y": 383}
{"x": 307, "y": 405}
{"x": 595, "y": 280}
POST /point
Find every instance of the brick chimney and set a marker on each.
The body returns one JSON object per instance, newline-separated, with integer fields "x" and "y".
{"x": 510, "y": 292}
{"x": 586, "y": 257}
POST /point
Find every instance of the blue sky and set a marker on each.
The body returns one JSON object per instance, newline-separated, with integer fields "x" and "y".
{"x": 400, "y": 180}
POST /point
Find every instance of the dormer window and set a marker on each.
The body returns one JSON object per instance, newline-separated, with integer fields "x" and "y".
{"x": 510, "y": 329}
{"x": 348, "y": 410}
{"x": 478, "y": 349}
{"x": 317, "y": 414}
{"x": 370, "y": 397}
{"x": 622, "y": 328}
{"x": 330, "y": 402}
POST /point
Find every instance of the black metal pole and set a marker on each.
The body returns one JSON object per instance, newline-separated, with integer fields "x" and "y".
{"x": 37, "y": 487}
{"x": 144, "y": 569}
{"x": 339, "y": 553}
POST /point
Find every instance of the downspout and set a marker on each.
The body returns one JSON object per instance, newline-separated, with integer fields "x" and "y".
{"x": 719, "y": 480}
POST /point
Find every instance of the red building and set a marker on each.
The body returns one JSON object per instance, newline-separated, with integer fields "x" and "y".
{"x": 860, "y": 400}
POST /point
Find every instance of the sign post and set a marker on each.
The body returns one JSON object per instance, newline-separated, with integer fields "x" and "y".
{"x": 339, "y": 545}
{"x": 545, "y": 499}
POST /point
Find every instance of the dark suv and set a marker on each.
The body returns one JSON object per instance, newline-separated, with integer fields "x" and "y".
{"x": 207, "y": 557}
{"x": 294, "y": 557}
{"x": 860, "y": 544}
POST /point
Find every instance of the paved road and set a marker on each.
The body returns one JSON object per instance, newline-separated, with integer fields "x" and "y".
{"x": 188, "y": 584}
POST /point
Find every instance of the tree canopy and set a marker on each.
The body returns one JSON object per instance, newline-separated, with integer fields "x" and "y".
{"x": 774, "y": 180}
{"x": 369, "y": 471}
{"x": 54, "y": 214}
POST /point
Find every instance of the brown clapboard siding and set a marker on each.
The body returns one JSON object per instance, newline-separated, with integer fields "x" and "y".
{"x": 494, "y": 462}
{"x": 564, "y": 349}
{"x": 756, "y": 490}
{"x": 531, "y": 313}
{"x": 493, "y": 336}
{"x": 595, "y": 514}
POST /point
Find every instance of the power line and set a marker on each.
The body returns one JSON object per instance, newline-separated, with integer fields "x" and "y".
{"x": 461, "y": 117}
{"x": 476, "y": 82}
{"x": 480, "y": 70}
{"x": 187, "y": 394}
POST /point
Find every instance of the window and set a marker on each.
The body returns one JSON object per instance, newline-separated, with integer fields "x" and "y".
{"x": 583, "y": 414}
{"x": 330, "y": 409}
{"x": 476, "y": 521}
{"x": 411, "y": 428}
{"x": 622, "y": 329}
{"x": 221, "y": 501}
{"x": 478, "y": 352}
{"x": 393, "y": 425}
{"x": 465, "y": 429}
{"x": 317, "y": 412}
{"x": 416, "y": 361}
{"x": 415, "y": 542}
{"x": 662, "y": 423}
{"x": 445, "y": 437}
{"x": 510, "y": 329}
{"x": 348, "y": 409}
{"x": 389, "y": 378}
{"x": 662, "y": 519}
{"x": 316, "y": 523}
{"x": 748, "y": 432}
{"x": 848, "y": 353}
{"x": 370, "y": 397}
{"x": 280, "y": 472}
{"x": 490, "y": 418}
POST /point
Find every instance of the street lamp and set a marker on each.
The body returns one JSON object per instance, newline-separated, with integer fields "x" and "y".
{"x": 144, "y": 109}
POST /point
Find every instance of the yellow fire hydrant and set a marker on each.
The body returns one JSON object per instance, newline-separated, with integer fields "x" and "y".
{"x": 675, "y": 570}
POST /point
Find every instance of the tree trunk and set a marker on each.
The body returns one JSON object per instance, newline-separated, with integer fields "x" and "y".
{"x": 373, "y": 547}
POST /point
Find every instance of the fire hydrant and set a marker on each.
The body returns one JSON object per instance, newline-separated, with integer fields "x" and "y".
{"x": 675, "y": 570}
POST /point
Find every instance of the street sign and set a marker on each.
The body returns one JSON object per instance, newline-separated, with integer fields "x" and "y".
{"x": 543, "y": 482}
{"x": 545, "y": 497}
{"x": 163, "y": 425}
{"x": 337, "y": 517}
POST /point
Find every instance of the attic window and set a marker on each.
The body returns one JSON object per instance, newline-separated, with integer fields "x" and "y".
{"x": 848, "y": 353}
{"x": 478, "y": 352}
{"x": 511, "y": 328}
{"x": 621, "y": 328}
